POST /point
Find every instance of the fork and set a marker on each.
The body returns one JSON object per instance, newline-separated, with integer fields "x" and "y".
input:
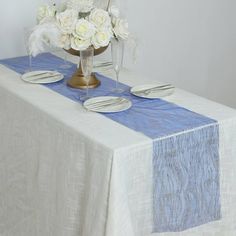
{"x": 156, "y": 87}
{"x": 103, "y": 64}
{"x": 159, "y": 88}
{"x": 108, "y": 103}
{"x": 112, "y": 104}
{"x": 42, "y": 73}
{"x": 46, "y": 77}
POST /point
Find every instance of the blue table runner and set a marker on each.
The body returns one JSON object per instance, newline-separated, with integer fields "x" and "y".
{"x": 185, "y": 166}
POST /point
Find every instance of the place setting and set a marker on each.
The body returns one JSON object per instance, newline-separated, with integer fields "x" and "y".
{"x": 42, "y": 77}
{"x": 153, "y": 91}
{"x": 107, "y": 104}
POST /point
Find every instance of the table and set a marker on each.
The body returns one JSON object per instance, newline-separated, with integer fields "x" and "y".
{"x": 65, "y": 171}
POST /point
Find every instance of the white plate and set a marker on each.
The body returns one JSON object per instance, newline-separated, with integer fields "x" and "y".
{"x": 42, "y": 77}
{"x": 154, "y": 94}
{"x": 100, "y": 104}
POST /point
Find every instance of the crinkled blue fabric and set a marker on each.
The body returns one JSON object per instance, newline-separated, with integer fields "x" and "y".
{"x": 185, "y": 167}
{"x": 186, "y": 180}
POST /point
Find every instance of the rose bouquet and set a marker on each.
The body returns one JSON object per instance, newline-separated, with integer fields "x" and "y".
{"x": 76, "y": 24}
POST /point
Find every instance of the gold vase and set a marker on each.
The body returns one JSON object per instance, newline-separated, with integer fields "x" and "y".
{"x": 78, "y": 79}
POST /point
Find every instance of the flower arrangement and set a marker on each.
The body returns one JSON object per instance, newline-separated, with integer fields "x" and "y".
{"x": 77, "y": 24}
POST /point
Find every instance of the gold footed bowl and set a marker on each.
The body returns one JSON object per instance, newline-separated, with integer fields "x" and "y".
{"x": 78, "y": 79}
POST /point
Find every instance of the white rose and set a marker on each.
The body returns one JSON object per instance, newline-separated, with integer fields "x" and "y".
{"x": 84, "y": 29}
{"x": 78, "y": 44}
{"x": 100, "y": 18}
{"x": 64, "y": 41}
{"x": 114, "y": 11}
{"x": 121, "y": 29}
{"x": 80, "y": 5}
{"x": 45, "y": 11}
{"x": 67, "y": 20}
{"x": 101, "y": 38}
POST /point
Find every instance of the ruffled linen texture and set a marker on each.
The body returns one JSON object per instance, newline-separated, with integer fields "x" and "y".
{"x": 161, "y": 108}
{"x": 186, "y": 180}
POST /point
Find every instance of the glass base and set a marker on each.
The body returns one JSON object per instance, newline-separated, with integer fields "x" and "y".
{"x": 84, "y": 98}
{"x": 28, "y": 70}
{"x": 117, "y": 90}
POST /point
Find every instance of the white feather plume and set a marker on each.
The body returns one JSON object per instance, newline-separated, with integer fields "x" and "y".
{"x": 47, "y": 34}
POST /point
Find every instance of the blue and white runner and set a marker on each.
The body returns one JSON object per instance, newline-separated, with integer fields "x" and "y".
{"x": 186, "y": 182}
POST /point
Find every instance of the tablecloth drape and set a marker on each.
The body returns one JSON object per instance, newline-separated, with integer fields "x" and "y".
{"x": 57, "y": 195}
{"x": 186, "y": 191}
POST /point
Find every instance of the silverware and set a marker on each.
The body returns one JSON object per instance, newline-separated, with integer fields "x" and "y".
{"x": 160, "y": 88}
{"x": 45, "y": 77}
{"x": 107, "y": 103}
{"x": 43, "y": 73}
{"x": 151, "y": 91}
{"x": 103, "y": 64}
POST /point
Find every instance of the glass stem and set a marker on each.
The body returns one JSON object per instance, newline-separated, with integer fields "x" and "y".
{"x": 117, "y": 79}
{"x": 30, "y": 62}
{"x": 87, "y": 89}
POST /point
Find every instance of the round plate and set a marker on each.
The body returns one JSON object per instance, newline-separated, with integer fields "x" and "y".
{"x": 154, "y": 94}
{"x": 107, "y": 104}
{"x": 42, "y": 77}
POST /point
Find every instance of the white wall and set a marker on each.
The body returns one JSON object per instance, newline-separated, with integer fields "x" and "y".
{"x": 15, "y": 15}
{"x": 191, "y": 43}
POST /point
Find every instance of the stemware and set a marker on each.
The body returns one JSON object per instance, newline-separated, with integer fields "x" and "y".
{"x": 86, "y": 60}
{"x": 117, "y": 51}
{"x": 27, "y": 33}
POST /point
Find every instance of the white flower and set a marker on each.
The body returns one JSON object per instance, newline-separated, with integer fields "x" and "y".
{"x": 80, "y": 5}
{"x": 114, "y": 11}
{"x": 100, "y": 18}
{"x": 84, "y": 29}
{"x": 45, "y": 11}
{"x": 64, "y": 41}
{"x": 121, "y": 29}
{"x": 67, "y": 20}
{"x": 101, "y": 38}
{"x": 78, "y": 44}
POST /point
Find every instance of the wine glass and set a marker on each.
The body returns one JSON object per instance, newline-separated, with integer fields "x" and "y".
{"x": 27, "y": 33}
{"x": 117, "y": 51}
{"x": 86, "y": 60}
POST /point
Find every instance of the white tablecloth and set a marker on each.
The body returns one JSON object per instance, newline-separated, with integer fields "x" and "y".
{"x": 68, "y": 172}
